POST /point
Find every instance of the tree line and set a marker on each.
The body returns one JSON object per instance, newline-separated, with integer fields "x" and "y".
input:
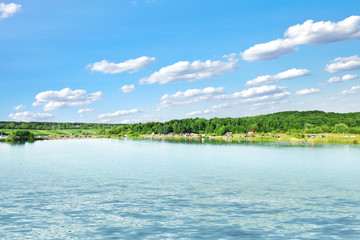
{"x": 53, "y": 125}
{"x": 281, "y": 122}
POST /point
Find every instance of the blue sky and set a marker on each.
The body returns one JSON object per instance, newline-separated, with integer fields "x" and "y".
{"x": 154, "y": 60}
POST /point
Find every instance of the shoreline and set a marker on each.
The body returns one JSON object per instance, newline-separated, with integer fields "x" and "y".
{"x": 282, "y": 138}
{"x": 331, "y": 140}
{"x": 328, "y": 138}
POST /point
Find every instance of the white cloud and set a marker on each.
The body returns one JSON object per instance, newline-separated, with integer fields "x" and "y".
{"x": 251, "y": 95}
{"x": 185, "y": 70}
{"x": 142, "y": 119}
{"x": 307, "y": 91}
{"x": 251, "y": 92}
{"x": 348, "y": 77}
{"x": 342, "y": 64}
{"x": 196, "y": 95}
{"x": 260, "y": 105}
{"x": 171, "y": 103}
{"x": 30, "y": 117}
{"x": 306, "y": 33}
{"x": 85, "y": 110}
{"x": 269, "y": 97}
{"x": 193, "y": 93}
{"x": 230, "y": 56}
{"x": 334, "y": 80}
{"x": 197, "y": 113}
{"x": 128, "y": 88}
{"x": 289, "y": 74}
{"x": 108, "y": 117}
{"x": 52, "y": 100}
{"x": 131, "y": 65}
{"x": 352, "y": 90}
{"x": 82, "y": 112}
{"x": 18, "y": 107}
{"x": 269, "y": 50}
{"x": 7, "y": 10}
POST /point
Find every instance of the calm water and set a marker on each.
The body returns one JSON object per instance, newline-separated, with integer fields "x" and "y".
{"x": 127, "y": 189}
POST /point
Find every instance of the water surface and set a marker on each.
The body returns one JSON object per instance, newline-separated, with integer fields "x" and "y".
{"x": 143, "y": 189}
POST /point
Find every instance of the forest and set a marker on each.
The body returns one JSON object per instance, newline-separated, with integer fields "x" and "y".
{"x": 281, "y": 122}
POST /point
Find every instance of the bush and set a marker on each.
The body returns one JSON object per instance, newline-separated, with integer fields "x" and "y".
{"x": 341, "y": 128}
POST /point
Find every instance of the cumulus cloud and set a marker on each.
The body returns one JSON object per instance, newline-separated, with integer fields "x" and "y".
{"x": 30, "y": 117}
{"x": 65, "y": 98}
{"x": 267, "y": 79}
{"x": 346, "y": 77}
{"x": 128, "y": 88}
{"x": 257, "y": 106}
{"x": 85, "y": 110}
{"x": 168, "y": 104}
{"x": 251, "y": 92}
{"x": 307, "y": 91}
{"x": 193, "y": 93}
{"x": 192, "y": 96}
{"x": 265, "y": 98}
{"x": 269, "y": 50}
{"x": 108, "y": 117}
{"x": 7, "y": 10}
{"x": 352, "y": 90}
{"x": 334, "y": 80}
{"x": 342, "y": 64}
{"x": 131, "y": 65}
{"x": 262, "y": 105}
{"x": 142, "y": 119}
{"x": 309, "y": 32}
{"x": 19, "y": 107}
{"x": 255, "y": 94}
{"x": 190, "y": 71}
{"x": 198, "y": 113}
{"x": 230, "y": 56}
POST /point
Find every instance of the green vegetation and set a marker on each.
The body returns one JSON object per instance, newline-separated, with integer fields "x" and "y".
{"x": 294, "y": 122}
{"x": 292, "y": 125}
{"x": 53, "y": 125}
{"x": 21, "y": 135}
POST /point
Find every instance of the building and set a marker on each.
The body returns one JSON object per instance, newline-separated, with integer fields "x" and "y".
{"x": 229, "y": 134}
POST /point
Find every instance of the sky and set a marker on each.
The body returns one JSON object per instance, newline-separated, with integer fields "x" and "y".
{"x": 129, "y": 61}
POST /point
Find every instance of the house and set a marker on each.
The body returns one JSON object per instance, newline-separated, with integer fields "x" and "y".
{"x": 250, "y": 131}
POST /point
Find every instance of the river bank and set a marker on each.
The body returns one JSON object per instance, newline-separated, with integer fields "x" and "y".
{"x": 307, "y": 138}
{"x": 336, "y": 138}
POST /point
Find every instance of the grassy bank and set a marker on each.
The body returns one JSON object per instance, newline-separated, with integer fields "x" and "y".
{"x": 63, "y": 132}
{"x": 339, "y": 138}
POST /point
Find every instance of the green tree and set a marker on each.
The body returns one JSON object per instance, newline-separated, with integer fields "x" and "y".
{"x": 341, "y": 128}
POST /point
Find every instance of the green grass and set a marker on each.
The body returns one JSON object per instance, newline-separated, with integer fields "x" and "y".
{"x": 64, "y": 132}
